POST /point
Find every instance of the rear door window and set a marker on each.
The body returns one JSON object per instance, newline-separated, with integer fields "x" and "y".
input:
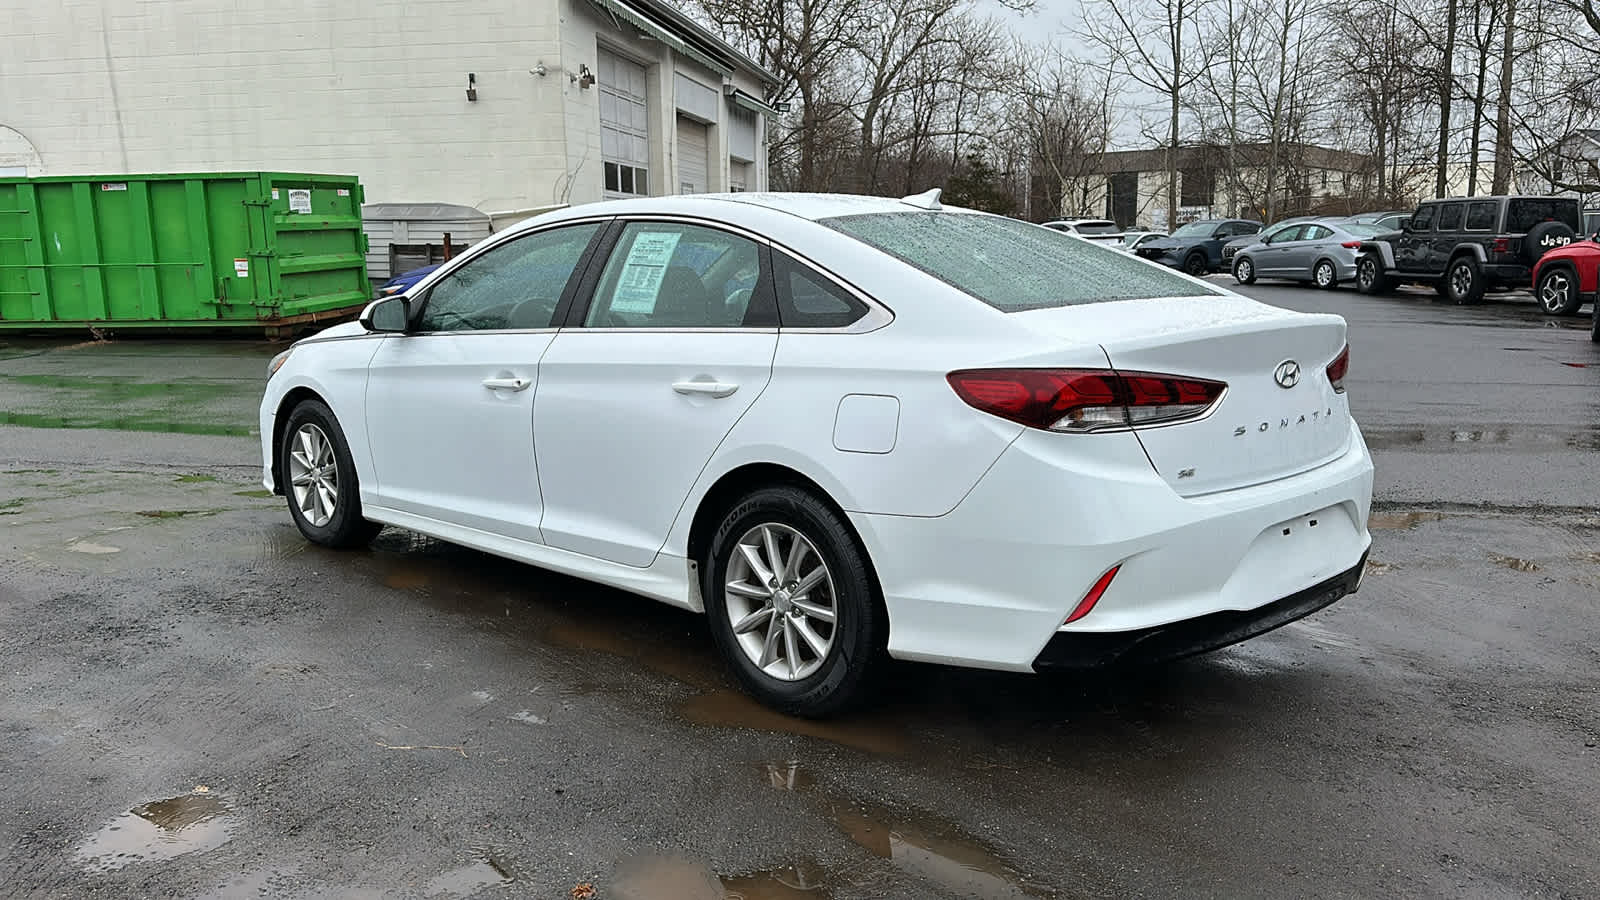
{"x": 1316, "y": 232}
{"x": 1480, "y": 215}
{"x": 1011, "y": 265}
{"x": 1450, "y": 216}
{"x": 1523, "y": 214}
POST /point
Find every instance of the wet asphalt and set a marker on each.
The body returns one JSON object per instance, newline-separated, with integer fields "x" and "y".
{"x": 196, "y": 703}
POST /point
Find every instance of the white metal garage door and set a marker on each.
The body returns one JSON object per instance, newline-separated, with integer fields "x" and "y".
{"x": 624, "y": 125}
{"x": 692, "y": 157}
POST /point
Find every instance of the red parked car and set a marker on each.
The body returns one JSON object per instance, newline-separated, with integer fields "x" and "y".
{"x": 1567, "y": 277}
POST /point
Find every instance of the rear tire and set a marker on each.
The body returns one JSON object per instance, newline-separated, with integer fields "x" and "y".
{"x": 319, "y": 480}
{"x": 1244, "y": 271}
{"x": 1557, "y": 292}
{"x": 1463, "y": 281}
{"x": 1325, "y": 275}
{"x": 1370, "y": 277}
{"x": 1195, "y": 264}
{"x": 778, "y": 624}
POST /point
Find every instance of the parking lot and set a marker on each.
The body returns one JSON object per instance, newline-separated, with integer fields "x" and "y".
{"x": 198, "y": 703}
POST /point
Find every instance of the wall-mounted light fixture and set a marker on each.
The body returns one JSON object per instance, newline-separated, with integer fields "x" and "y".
{"x": 585, "y": 77}
{"x": 538, "y": 69}
{"x": 472, "y": 87}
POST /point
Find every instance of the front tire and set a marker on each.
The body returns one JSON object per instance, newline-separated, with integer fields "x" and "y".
{"x": 793, "y": 604}
{"x": 1195, "y": 264}
{"x": 1244, "y": 271}
{"x": 1324, "y": 275}
{"x": 1463, "y": 281}
{"x": 1558, "y": 293}
{"x": 319, "y": 479}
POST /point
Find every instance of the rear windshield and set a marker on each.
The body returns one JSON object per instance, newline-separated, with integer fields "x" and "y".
{"x": 1525, "y": 213}
{"x": 1364, "y": 231}
{"x": 1014, "y": 266}
{"x": 1195, "y": 229}
{"x": 1098, "y": 228}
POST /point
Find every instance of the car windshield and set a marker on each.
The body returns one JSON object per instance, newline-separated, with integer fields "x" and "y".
{"x": 1011, "y": 265}
{"x": 1195, "y": 229}
{"x": 1362, "y": 231}
{"x": 1098, "y": 228}
{"x": 1527, "y": 213}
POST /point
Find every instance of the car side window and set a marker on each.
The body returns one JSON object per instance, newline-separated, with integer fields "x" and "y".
{"x": 1285, "y": 235}
{"x": 1422, "y": 220}
{"x": 808, "y": 299}
{"x": 1480, "y": 215}
{"x": 1450, "y": 216}
{"x": 1316, "y": 232}
{"x": 670, "y": 275}
{"x": 514, "y": 285}
{"x": 1240, "y": 229}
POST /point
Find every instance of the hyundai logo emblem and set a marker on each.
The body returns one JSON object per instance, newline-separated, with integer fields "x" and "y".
{"x": 1287, "y": 374}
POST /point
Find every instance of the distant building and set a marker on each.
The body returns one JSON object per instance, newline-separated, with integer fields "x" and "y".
{"x": 1130, "y": 186}
{"x": 1569, "y": 167}
{"x": 498, "y": 105}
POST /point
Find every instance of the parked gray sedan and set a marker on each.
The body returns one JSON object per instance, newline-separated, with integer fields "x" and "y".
{"x": 1321, "y": 252}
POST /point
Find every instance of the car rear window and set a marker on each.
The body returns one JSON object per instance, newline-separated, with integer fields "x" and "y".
{"x": 1098, "y": 228}
{"x": 1363, "y": 231}
{"x": 1525, "y": 213}
{"x": 1014, "y": 266}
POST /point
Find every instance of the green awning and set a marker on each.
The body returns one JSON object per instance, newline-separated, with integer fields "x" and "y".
{"x": 740, "y": 98}
{"x": 638, "y": 20}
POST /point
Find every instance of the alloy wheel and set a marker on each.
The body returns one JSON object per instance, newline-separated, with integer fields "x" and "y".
{"x": 1553, "y": 291}
{"x": 781, "y": 602}
{"x": 1324, "y": 275}
{"x": 1461, "y": 280}
{"x": 314, "y": 475}
{"x": 1244, "y": 270}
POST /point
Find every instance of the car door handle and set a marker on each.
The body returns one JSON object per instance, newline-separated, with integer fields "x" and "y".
{"x": 708, "y": 388}
{"x": 507, "y": 384}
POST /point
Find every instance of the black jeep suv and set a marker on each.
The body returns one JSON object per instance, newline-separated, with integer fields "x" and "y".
{"x": 1463, "y": 247}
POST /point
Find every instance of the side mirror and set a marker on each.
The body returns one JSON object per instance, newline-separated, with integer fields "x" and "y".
{"x": 389, "y": 315}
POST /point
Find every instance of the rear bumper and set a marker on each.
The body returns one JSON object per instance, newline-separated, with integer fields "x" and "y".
{"x": 1509, "y": 273}
{"x": 990, "y": 583}
{"x": 1163, "y": 643}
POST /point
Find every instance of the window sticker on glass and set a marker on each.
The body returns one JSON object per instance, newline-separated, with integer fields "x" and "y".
{"x": 641, "y": 276}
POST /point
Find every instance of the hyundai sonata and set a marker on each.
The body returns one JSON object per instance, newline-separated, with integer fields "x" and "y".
{"x": 846, "y": 429}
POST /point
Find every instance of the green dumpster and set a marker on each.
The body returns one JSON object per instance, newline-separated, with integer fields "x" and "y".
{"x": 270, "y": 250}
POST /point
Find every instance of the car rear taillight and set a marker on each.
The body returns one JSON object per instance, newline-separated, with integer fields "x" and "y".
{"x": 1093, "y": 597}
{"x": 1501, "y": 245}
{"x": 1083, "y": 400}
{"x": 1351, "y": 245}
{"x": 1338, "y": 368}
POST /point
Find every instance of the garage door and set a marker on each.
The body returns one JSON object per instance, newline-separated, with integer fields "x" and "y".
{"x": 692, "y": 155}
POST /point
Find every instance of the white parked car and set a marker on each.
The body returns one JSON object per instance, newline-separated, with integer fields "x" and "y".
{"x": 845, "y": 428}
{"x": 1100, "y": 231}
{"x": 1133, "y": 240}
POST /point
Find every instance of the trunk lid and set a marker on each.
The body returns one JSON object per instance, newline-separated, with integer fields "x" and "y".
{"x": 1259, "y": 431}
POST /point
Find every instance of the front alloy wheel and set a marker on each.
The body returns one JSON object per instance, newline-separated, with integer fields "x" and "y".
{"x": 1558, "y": 296}
{"x": 1325, "y": 275}
{"x": 1244, "y": 271}
{"x": 780, "y": 602}
{"x": 314, "y": 474}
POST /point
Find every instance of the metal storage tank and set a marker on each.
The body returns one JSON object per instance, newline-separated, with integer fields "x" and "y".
{"x": 405, "y": 236}
{"x": 269, "y": 250}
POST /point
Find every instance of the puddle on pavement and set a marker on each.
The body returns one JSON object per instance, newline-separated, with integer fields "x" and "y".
{"x": 92, "y": 548}
{"x": 670, "y": 658}
{"x": 1501, "y": 438}
{"x": 1515, "y": 563}
{"x": 468, "y": 880}
{"x": 1397, "y": 521}
{"x": 787, "y": 775}
{"x": 676, "y": 878}
{"x": 933, "y": 851}
{"x": 730, "y": 709}
{"x": 162, "y": 829}
{"x": 31, "y": 420}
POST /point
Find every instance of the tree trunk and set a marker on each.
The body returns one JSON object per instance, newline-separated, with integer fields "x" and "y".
{"x": 1447, "y": 85}
{"x": 1502, "y": 124}
{"x": 1172, "y": 126}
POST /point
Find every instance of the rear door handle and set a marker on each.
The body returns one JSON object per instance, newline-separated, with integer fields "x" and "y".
{"x": 507, "y": 384}
{"x": 708, "y": 388}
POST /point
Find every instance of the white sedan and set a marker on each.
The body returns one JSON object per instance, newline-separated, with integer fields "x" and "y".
{"x": 846, "y": 428}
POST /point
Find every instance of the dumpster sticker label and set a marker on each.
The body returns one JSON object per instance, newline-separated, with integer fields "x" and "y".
{"x": 241, "y": 268}
{"x": 344, "y": 192}
{"x": 640, "y": 281}
{"x": 274, "y": 193}
{"x": 114, "y": 186}
{"x": 299, "y": 200}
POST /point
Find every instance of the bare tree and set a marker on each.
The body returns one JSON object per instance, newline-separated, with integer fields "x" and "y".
{"x": 1155, "y": 43}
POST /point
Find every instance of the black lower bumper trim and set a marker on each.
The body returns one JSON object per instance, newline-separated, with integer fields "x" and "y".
{"x": 1163, "y": 643}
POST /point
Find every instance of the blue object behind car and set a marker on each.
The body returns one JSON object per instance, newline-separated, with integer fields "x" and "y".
{"x": 404, "y": 280}
{"x": 1196, "y": 248}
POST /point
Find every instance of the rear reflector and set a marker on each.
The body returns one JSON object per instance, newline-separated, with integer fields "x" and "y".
{"x": 1339, "y": 368}
{"x": 1093, "y": 597}
{"x": 1083, "y": 400}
